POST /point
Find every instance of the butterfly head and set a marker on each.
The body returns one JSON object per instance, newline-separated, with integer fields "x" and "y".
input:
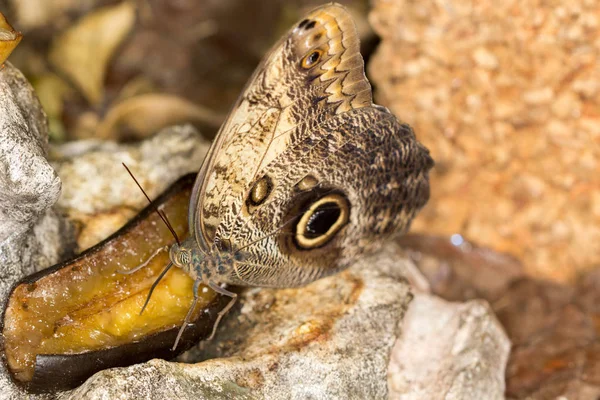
{"x": 187, "y": 255}
{"x": 199, "y": 265}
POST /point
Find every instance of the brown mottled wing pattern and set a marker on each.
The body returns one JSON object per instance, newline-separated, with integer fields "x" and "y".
{"x": 368, "y": 156}
{"x": 283, "y": 103}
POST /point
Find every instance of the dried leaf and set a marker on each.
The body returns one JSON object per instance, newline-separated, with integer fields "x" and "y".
{"x": 147, "y": 114}
{"x": 9, "y": 39}
{"x": 83, "y": 52}
{"x": 43, "y": 14}
{"x": 52, "y": 90}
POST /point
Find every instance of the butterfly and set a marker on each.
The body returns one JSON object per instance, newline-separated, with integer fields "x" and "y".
{"x": 306, "y": 174}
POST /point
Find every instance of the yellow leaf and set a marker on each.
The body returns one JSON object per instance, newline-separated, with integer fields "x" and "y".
{"x": 144, "y": 115}
{"x": 9, "y": 39}
{"x": 83, "y": 52}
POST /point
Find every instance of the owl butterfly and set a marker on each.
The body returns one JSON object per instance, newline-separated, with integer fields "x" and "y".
{"x": 306, "y": 174}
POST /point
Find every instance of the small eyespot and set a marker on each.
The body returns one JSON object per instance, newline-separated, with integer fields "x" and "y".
{"x": 323, "y": 219}
{"x": 260, "y": 191}
{"x": 317, "y": 36}
{"x": 311, "y": 59}
{"x": 307, "y": 183}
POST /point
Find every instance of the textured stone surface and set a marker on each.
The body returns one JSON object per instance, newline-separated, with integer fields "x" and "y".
{"x": 554, "y": 328}
{"x": 507, "y": 97}
{"x": 28, "y": 183}
{"x": 328, "y": 340}
{"x": 32, "y": 235}
{"x": 449, "y": 351}
{"x": 101, "y": 196}
{"x": 98, "y": 181}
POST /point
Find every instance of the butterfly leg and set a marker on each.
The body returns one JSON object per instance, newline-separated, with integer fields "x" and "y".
{"x": 188, "y": 316}
{"x": 144, "y": 264}
{"x": 224, "y": 311}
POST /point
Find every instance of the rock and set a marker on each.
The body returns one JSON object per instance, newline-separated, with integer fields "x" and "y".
{"x": 458, "y": 349}
{"x": 98, "y": 182}
{"x": 28, "y": 183}
{"x": 441, "y": 341}
{"x": 332, "y": 339}
{"x": 32, "y": 235}
{"x": 328, "y": 340}
{"x": 100, "y": 196}
{"x": 553, "y": 327}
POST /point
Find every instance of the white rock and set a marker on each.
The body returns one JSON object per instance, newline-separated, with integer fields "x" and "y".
{"x": 449, "y": 351}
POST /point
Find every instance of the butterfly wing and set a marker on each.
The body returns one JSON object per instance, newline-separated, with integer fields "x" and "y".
{"x": 335, "y": 195}
{"x": 314, "y": 73}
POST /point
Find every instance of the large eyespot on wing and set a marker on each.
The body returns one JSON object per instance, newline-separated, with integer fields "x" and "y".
{"x": 321, "y": 221}
{"x": 316, "y": 216}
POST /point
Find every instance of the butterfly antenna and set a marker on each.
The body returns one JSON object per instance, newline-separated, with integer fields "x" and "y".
{"x": 162, "y": 215}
